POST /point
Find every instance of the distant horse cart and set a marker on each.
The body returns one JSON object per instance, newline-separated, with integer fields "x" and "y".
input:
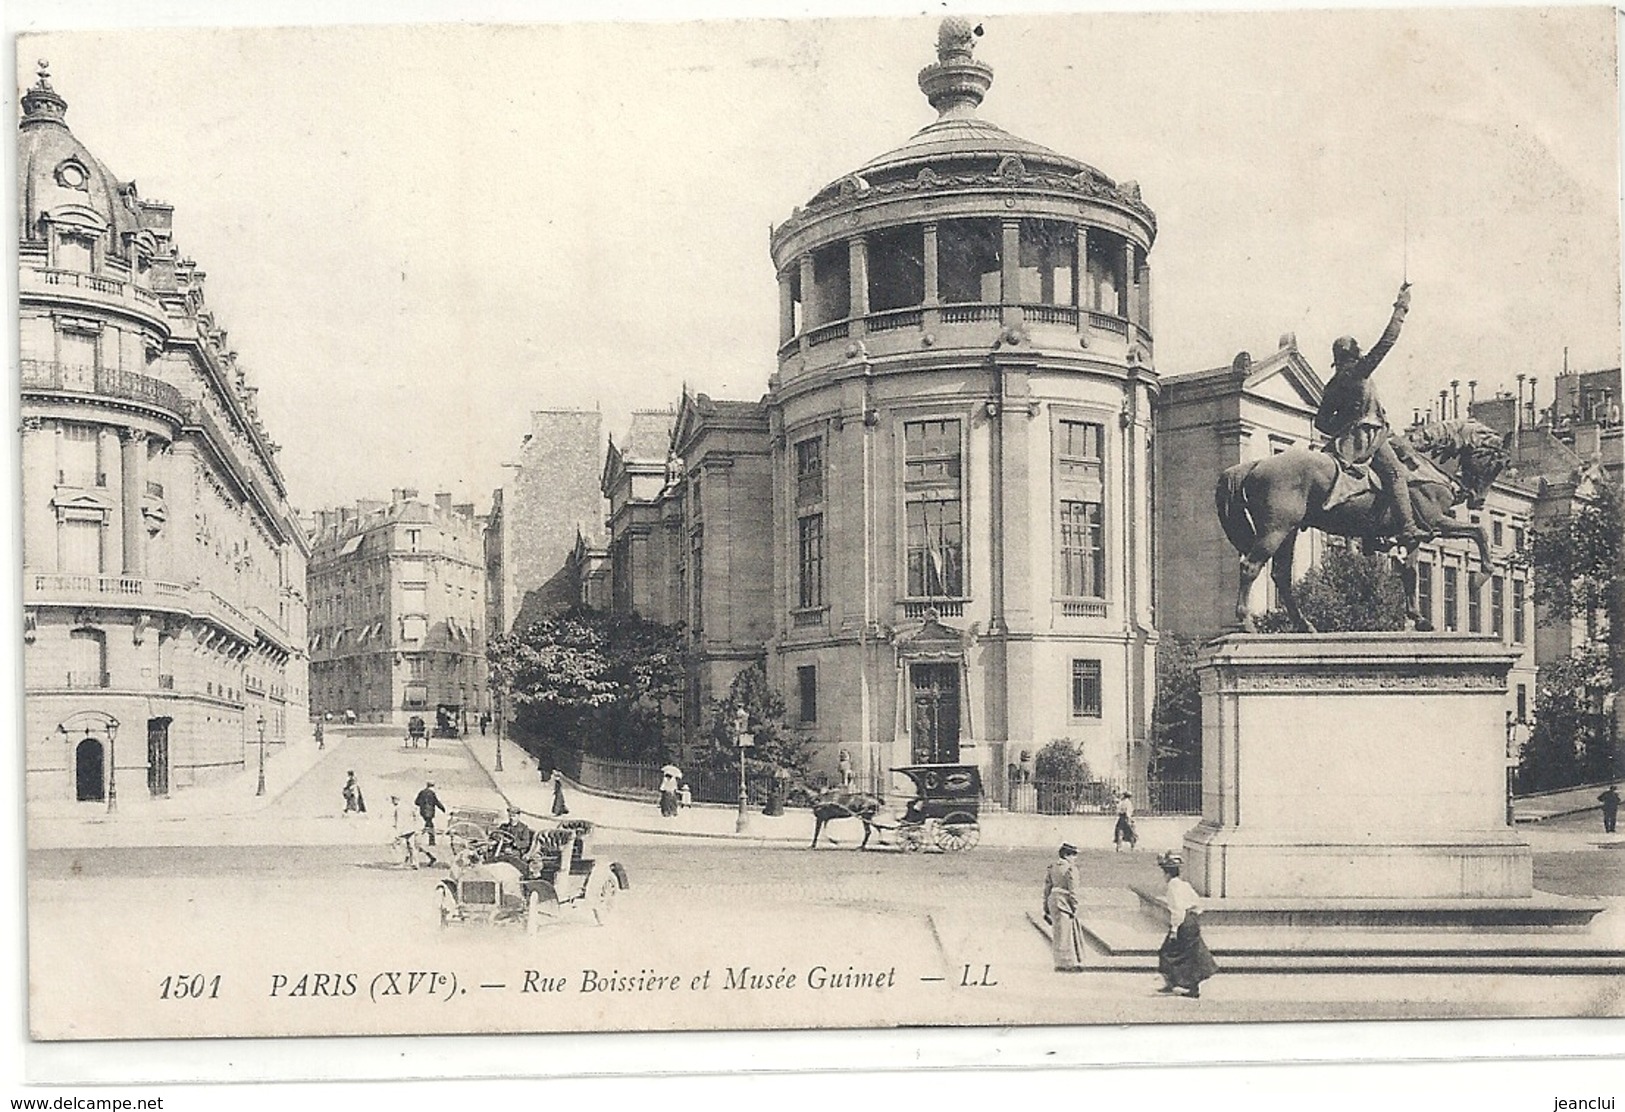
{"x": 944, "y": 813}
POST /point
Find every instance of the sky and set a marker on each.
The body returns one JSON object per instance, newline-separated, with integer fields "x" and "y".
{"x": 415, "y": 235}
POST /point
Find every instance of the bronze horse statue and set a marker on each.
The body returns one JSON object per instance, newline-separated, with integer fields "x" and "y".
{"x": 1264, "y": 504}
{"x": 844, "y": 803}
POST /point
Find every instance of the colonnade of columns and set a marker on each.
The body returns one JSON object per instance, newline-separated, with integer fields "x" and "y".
{"x": 1134, "y": 292}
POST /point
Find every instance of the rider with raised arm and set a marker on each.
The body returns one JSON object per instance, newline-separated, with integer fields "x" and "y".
{"x": 1350, "y": 405}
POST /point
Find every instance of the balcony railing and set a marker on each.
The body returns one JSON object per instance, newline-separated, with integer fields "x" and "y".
{"x": 113, "y": 589}
{"x": 1051, "y": 314}
{"x": 1087, "y": 608}
{"x": 967, "y": 314}
{"x": 944, "y": 608}
{"x": 113, "y": 287}
{"x": 1108, "y": 323}
{"x": 892, "y": 320}
{"x": 825, "y": 333}
{"x": 89, "y": 679}
{"x": 73, "y": 584}
{"x": 39, "y": 374}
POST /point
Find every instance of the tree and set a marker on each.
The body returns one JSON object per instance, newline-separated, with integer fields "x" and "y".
{"x": 1571, "y": 742}
{"x": 1176, "y": 716}
{"x": 1347, "y": 592}
{"x": 774, "y": 747}
{"x": 601, "y": 683}
{"x": 1577, "y": 576}
{"x": 1575, "y": 561}
{"x": 1061, "y": 776}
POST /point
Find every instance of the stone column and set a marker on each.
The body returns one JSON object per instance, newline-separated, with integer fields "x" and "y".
{"x": 1010, "y": 270}
{"x": 858, "y": 278}
{"x": 1130, "y": 293}
{"x": 133, "y": 450}
{"x": 933, "y": 296}
{"x": 1145, "y": 296}
{"x": 113, "y": 530}
{"x": 787, "y": 309}
{"x": 808, "y": 291}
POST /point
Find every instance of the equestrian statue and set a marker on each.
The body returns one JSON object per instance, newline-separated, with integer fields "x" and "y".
{"x": 1365, "y": 482}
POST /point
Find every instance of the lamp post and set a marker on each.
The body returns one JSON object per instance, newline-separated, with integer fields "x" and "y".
{"x": 745, "y": 741}
{"x": 499, "y": 731}
{"x": 112, "y": 763}
{"x": 261, "y": 724}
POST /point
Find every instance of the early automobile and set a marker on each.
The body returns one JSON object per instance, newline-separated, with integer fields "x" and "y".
{"x": 510, "y": 873}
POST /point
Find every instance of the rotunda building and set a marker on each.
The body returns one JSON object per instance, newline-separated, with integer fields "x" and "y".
{"x": 961, "y": 421}
{"x": 163, "y": 569}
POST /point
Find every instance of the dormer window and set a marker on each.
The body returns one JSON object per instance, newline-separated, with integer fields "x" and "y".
{"x": 71, "y": 174}
{"x": 75, "y": 252}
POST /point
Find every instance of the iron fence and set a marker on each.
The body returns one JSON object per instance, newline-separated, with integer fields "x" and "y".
{"x": 1100, "y": 797}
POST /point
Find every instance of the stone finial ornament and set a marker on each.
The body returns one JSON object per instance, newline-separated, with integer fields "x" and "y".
{"x": 956, "y": 82}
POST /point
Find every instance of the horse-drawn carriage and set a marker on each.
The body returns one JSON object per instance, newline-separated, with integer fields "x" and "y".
{"x": 944, "y": 812}
{"x": 509, "y": 873}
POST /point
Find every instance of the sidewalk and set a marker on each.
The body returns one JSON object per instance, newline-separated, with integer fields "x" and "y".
{"x": 522, "y": 787}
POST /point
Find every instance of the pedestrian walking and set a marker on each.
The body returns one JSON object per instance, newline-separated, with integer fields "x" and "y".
{"x": 485, "y": 720}
{"x": 685, "y": 798}
{"x": 1125, "y": 831}
{"x": 320, "y": 743}
{"x": 353, "y": 799}
{"x": 670, "y": 778}
{"x": 1061, "y": 910}
{"x": 1183, "y": 960}
{"x": 559, "y": 809}
{"x": 1610, "y": 808}
{"x": 427, "y": 803}
{"x": 408, "y": 828}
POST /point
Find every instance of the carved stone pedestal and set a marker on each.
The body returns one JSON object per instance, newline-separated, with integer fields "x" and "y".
{"x": 1355, "y": 767}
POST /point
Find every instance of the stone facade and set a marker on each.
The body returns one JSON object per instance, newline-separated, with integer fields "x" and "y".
{"x": 551, "y": 504}
{"x": 163, "y": 570}
{"x": 397, "y": 595}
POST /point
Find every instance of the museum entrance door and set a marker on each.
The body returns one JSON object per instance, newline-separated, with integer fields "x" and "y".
{"x": 935, "y": 718}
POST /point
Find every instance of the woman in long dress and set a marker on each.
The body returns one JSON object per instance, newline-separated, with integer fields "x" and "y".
{"x": 1183, "y": 960}
{"x": 1061, "y": 911}
{"x": 1124, "y": 831}
{"x": 559, "y": 809}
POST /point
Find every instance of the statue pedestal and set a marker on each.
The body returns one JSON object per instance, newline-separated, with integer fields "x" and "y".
{"x": 1355, "y": 767}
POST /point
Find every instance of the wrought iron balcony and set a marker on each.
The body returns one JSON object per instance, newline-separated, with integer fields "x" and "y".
{"x": 68, "y": 378}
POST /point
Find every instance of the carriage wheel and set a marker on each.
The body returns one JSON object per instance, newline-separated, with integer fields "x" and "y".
{"x": 957, "y": 833}
{"x": 911, "y": 840}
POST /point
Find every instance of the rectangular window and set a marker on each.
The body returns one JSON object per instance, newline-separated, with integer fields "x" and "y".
{"x": 414, "y": 538}
{"x": 74, "y": 253}
{"x": 1083, "y": 557}
{"x": 934, "y": 524}
{"x": 81, "y": 546}
{"x": 1450, "y": 598}
{"x": 1475, "y": 608}
{"x": 1079, "y": 443}
{"x": 696, "y": 562}
{"x": 1517, "y": 538}
{"x": 809, "y": 471}
{"x": 1517, "y": 612}
{"x": 1498, "y": 586}
{"x": 1497, "y": 533}
{"x": 80, "y": 465}
{"x": 807, "y": 684}
{"x": 935, "y": 549}
{"x": 1424, "y": 589}
{"x": 1086, "y": 689}
{"x": 1523, "y": 703}
{"x": 811, "y": 561}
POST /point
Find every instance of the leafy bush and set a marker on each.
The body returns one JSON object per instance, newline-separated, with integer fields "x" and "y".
{"x": 1061, "y": 777}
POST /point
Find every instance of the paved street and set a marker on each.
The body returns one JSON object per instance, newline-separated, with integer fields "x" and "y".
{"x": 300, "y": 889}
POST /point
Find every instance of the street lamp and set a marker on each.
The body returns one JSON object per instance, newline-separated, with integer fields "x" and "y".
{"x": 112, "y": 763}
{"x": 744, "y": 740}
{"x": 261, "y": 724}
{"x": 499, "y": 731}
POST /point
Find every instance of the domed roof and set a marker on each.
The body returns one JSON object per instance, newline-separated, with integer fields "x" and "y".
{"x": 960, "y": 143}
{"x": 57, "y": 174}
